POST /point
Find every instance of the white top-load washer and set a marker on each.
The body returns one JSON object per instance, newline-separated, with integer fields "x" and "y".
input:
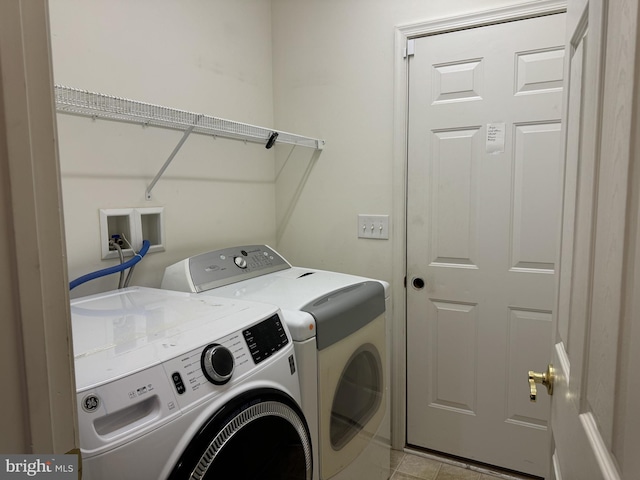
{"x": 339, "y": 324}
{"x": 175, "y": 385}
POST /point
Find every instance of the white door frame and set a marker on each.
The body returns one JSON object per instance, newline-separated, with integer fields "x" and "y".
{"x": 399, "y": 254}
{"x": 35, "y": 295}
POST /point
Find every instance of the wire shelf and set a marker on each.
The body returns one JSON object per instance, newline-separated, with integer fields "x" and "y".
{"x": 97, "y": 105}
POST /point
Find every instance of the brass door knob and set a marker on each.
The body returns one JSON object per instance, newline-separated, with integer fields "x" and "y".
{"x": 545, "y": 379}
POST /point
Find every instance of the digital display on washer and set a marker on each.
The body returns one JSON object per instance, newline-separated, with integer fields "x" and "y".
{"x": 265, "y": 338}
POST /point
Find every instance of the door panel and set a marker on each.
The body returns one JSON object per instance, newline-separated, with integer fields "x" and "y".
{"x": 536, "y": 148}
{"x": 453, "y": 215}
{"x": 484, "y": 192}
{"x": 454, "y": 328}
{"x": 527, "y": 329}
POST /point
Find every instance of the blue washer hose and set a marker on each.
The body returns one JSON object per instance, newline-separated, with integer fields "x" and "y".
{"x": 115, "y": 269}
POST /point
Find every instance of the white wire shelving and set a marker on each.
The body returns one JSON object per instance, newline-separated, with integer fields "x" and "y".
{"x": 98, "y": 105}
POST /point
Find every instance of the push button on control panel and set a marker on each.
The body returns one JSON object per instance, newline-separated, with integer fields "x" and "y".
{"x": 177, "y": 381}
{"x": 292, "y": 364}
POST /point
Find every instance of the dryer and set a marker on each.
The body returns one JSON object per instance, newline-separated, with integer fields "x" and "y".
{"x": 340, "y": 329}
{"x": 181, "y": 386}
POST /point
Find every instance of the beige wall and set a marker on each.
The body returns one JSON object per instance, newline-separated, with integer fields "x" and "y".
{"x": 317, "y": 68}
{"x": 334, "y": 77}
{"x": 211, "y": 57}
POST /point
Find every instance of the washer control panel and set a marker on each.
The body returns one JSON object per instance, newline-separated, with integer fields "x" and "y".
{"x": 223, "y": 267}
{"x": 207, "y": 369}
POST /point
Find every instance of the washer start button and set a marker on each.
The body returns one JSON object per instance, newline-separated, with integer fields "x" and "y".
{"x": 179, "y": 384}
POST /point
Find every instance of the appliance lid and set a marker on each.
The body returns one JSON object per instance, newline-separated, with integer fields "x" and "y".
{"x": 121, "y": 332}
{"x": 293, "y": 288}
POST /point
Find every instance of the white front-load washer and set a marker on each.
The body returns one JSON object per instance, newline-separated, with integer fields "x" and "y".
{"x": 340, "y": 328}
{"x": 183, "y": 386}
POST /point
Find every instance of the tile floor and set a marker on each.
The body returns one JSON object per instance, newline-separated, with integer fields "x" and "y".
{"x": 406, "y": 466}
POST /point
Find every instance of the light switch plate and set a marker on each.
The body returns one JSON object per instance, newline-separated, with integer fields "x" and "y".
{"x": 373, "y": 226}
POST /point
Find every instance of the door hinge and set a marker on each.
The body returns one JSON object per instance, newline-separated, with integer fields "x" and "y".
{"x": 405, "y": 282}
{"x": 410, "y": 49}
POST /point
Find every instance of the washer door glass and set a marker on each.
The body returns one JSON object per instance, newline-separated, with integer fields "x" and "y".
{"x": 263, "y": 438}
{"x": 358, "y": 395}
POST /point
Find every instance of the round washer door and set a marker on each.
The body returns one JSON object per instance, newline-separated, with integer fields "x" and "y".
{"x": 260, "y": 434}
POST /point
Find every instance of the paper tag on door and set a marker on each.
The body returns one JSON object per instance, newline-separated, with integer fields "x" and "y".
{"x": 495, "y": 138}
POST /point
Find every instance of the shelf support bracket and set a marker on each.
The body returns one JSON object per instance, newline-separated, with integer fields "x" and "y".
{"x": 187, "y": 132}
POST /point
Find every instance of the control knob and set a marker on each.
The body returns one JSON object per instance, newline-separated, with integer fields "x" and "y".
{"x": 217, "y": 364}
{"x": 240, "y": 262}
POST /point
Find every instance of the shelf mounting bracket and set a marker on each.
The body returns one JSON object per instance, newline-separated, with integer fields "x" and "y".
{"x": 187, "y": 132}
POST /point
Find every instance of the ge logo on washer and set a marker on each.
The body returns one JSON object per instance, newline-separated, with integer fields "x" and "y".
{"x": 90, "y": 403}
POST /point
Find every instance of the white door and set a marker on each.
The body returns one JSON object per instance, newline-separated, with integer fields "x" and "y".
{"x": 594, "y": 405}
{"x": 483, "y": 214}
